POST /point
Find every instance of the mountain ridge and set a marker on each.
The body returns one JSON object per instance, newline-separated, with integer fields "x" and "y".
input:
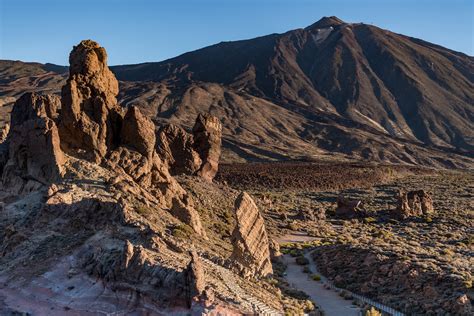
{"x": 347, "y": 88}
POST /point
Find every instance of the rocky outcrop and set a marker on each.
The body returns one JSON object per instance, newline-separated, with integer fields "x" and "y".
{"x": 347, "y": 208}
{"x": 196, "y": 154}
{"x": 207, "y": 132}
{"x": 251, "y": 246}
{"x": 195, "y": 279}
{"x": 90, "y": 116}
{"x": 138, "y": 132}
{"x": 414, "y": 203}
{"x": 33, "y": 145}
{"x": 175, "y": 145}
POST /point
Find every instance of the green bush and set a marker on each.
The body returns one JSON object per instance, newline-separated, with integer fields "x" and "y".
{"x": 183, "y": 231}
{"x": 302, "y": 261}
{"x": 369, "y": 220}
{"x": 316, "y": 277}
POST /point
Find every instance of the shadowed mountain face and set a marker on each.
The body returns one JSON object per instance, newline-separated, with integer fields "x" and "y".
{"x": 352, "y": 90}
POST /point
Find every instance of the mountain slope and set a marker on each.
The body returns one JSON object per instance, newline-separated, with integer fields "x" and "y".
{"x": 399, "y": 85}
{"x": 333, "y": 90}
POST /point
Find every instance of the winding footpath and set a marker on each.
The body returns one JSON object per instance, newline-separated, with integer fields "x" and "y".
{"x": 323, "y": 293}
{"x": 328, "y": 300}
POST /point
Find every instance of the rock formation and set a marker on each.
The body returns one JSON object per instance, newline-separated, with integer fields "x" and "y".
{"x": 31, "y": 106}
{"x": 195, "y": 280}
{"x": 90, "y": 115}
{"x": 207, "y": 132}
{"x": 33, "y": 145}
{"x": 138, "y": 132}
{"x": 251, "y": 245}
{"x": 414, "y": 203}
{"x": 196, "y": 154}
{"x": 175, "y": 145}
{"x": 347, "y": 208}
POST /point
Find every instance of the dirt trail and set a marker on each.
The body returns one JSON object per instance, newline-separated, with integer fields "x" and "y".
{"x": 328, "y": 300}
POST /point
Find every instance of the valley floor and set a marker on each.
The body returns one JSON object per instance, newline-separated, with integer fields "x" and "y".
{"x": 420, "y": 265}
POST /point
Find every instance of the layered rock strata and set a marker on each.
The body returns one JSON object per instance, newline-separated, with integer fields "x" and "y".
{"x": 251, "y": 250}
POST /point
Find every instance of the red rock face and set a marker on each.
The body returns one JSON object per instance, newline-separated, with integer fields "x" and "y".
{"x": 250, "y": 240}
{"x": 33, "y": 144}
{"x": 90, "y": 115}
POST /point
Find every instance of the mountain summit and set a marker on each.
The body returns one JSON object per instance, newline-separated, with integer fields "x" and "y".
{"x": 326, "y": 22}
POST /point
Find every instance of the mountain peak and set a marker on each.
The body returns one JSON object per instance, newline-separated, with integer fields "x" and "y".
{"x": 326, "y": 22}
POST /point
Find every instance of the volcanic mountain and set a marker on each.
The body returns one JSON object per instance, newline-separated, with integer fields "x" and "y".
{"x": 332, "y": 89}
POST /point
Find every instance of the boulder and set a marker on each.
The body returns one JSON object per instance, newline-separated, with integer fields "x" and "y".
{"x": 90, "y": 116}
{"x": 251, "y": 246}
{"x": 207, "y": 132}
{"x": 414, "y": 203}
{"x": 347, "y": 208}
{"x": 175, "y": 146}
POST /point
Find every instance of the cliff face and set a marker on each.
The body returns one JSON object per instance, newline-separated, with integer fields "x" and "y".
{"x": 251, "y": 246}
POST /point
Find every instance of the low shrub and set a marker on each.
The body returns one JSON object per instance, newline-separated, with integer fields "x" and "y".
{"x": 302, "y": 261}
{"x": 316, "y": 277}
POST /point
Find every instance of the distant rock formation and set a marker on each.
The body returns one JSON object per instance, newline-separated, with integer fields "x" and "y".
{"x": 347, "y": 208}
{"x": 196, "y": 154}
{"x": 32, "y": 148}
{"x": 207, "y": 132}
{"x": 414, "y": 203}
{"x": 251, "y": 246}
{"x": 90, "y": 115}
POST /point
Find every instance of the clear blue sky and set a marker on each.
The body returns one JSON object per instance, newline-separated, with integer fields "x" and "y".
{"x": 136, "y": 31}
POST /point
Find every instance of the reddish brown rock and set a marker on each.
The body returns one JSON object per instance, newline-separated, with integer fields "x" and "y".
{"x": 90, "y": 116}
{"x": 250, "y": 240}
{"x": 32, "y": 149}
{"x": 32, "y": 105}
{"x": 175, "y": 146}
{"x": 207, "y": 132}
{"x": 347, "y": 208}
{"x": 414, "y": 203}
{"x": 138, "y": 132}
{"x": 195, "y": 279}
